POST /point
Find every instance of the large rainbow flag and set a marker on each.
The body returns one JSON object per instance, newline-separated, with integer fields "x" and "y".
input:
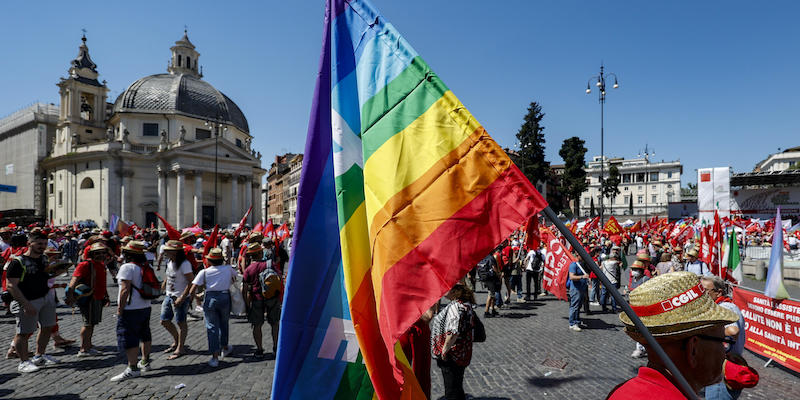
{"x": 410, "y": 187}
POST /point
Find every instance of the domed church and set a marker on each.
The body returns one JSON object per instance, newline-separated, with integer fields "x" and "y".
{"x": 170, "y": 143}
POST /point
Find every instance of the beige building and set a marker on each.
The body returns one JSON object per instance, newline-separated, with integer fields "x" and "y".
{"x": 170, "y": 143}
{"x": 277, "y": 188}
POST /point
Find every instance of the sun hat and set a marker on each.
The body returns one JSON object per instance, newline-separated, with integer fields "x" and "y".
{"x": 173, "y": 245}
{"x": 52, "y": 250}
{"x": 134, "y": 246}
{"x": 253, "y": 248}
{"x": 255, "y": 237}
{"x": 215, "y": 254}
{"x": 692, "y": 252}
{"x": 637, "y": 264}
{"x": 186, "y": 234}
{"x": 643, "y": 255}
{"x": 674, "y": 306}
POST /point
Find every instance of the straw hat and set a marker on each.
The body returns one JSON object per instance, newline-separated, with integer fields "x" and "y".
{"x": 254, "y": 248}
{"x": 692, "y": 252}
{"x": 674, "y": 306}
{"x": 255, "y": 237}
{"x": 657, "y": 243}
{"x": 187, "y": 234}
{"x": 643, "y": 255}
{"x": 214, "y": 254}
{"x": 173, "y": 245}
{"x": 134, "y": 246}
{"x": 97, "y": 246}
{"x": 637, "y": 264}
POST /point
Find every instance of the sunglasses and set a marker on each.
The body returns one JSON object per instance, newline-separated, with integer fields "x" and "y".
{"x": 718, "y": 339}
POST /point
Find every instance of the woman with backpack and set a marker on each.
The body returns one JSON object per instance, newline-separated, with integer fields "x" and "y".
{"x": 451, "y": 339}
{"x": 133, "y": 309}
{"x": 217, "y": 280}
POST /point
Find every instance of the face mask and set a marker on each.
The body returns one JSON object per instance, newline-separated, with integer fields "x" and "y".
{"x": 637, "y": 274}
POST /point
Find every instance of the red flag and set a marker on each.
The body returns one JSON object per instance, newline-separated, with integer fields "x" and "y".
{"x": 259, "y": 227}
{"x": 241, "y": 223}
{"x": 636, "y": 227}
{"x": 123, "y": 228}
{"x": 283, "y": 232}
{"x": 556, "y": 265}
{"x": 269, "y": 230}
{"x": 612, "y": 226}
{"x": 532, "y": 239}
{"x": 211, "y": 242}
{"x": 172, "y": 233}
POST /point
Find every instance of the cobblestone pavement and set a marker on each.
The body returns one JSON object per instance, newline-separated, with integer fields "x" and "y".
{"x": 508, "y": 366}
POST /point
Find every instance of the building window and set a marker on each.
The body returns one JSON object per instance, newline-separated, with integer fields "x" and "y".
{"x": 654, "y": 177}
{"x": 625, "y": 189}
{"x": 792, "y": 163}
{"x": 60, "y": 198}
{"x": 640, "y": 199}
{"x": 669, "y": 197}
{"x": 149, "y": 129}
{"x": 51, "y": 188}
{"x": 586, "y": 201}
{"x": 653, "y": 198}
{"x": 626, "y": 178}
{"x": 239, "y": 143}
{"x": 87, "y": 183}
{"x": 640, "y": 177}
{"x": 200, "y": 134}
{"x": 179, "y": 60}
{"x": 669, "y": 174}
{"x": 188, "y": 62}
{"x": 641, "y": 188}
{"x": 669, "y": 186}
{"x": 653, "y": 187}
{"x": 640, "y": 212}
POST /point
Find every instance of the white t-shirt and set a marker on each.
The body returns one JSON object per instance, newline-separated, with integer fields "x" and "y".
{"x": 215, "y": 278}
{"x": 132, "y": 272}
{"x": 176, "y": 279}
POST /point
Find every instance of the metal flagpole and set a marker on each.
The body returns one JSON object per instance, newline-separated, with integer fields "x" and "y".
{"x": 682, "y": 383}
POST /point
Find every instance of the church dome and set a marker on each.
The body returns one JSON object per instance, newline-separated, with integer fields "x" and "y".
{"x": 183, "y": 94}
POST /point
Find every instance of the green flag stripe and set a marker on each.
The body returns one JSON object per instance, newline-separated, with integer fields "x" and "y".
{"x": 349, "y": 193}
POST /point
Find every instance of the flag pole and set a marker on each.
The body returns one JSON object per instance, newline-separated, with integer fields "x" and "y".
{"x": 683, "y": 385}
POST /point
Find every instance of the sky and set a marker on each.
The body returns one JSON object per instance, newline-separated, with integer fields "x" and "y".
{"x": 709, "y": 83}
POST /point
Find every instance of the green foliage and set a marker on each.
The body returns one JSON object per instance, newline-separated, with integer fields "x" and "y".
{"x": 630, "y": 205}
{"x": 573, "y": 182}
{"x": 592, "y": 212}
{"x": 531, "y": 145}
{"x": 610, "y": 186}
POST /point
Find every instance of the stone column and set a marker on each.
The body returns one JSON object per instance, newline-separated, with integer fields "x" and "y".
{"x": 198, "y": 196}
{"x": 162, "y": 193}
{"x": 180, "y": 177}
{"x": 124, "y": 190}
{"x": 235, "y": 209}
{"x": 248, "y": 193}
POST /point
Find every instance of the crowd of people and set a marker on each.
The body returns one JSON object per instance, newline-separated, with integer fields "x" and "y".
{"x": 199, "y": 270}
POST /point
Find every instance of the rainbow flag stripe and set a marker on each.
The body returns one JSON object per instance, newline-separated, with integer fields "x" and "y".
{"x": 423, "y": 192}
{"x": 402, "y": 192}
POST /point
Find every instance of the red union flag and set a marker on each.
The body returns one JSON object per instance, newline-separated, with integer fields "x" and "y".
{"x": 612, "y": 226}
{"x": 705, "y": 177}
{"x": 556, "y": 265}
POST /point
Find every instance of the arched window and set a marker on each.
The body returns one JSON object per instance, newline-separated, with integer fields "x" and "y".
{"x": 188, "y": 62}
{"x": 179, "y": 60}
{"x": 87, "y": 183}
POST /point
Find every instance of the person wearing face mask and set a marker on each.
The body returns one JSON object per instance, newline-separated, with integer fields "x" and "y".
{"x": 637, "y": 278}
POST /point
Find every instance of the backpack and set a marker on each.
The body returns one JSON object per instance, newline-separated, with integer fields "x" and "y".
{"x": 486, "y": 268}
{"x": 269, "y": 281}
{"x": 151, "y": 286}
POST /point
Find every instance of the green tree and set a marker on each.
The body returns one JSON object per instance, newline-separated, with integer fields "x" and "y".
{"x": 573, "y": 182}
{"x": 610, "y": 186}
{"x": 531, "y": 145}
{"x": 630, "y": 205}
{"x": 592, "y": 212}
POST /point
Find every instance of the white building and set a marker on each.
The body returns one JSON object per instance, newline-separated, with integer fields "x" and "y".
{"x": 151, "y": 151}
{"x": 652, "y": 185}
{"x": 789, "y": 158}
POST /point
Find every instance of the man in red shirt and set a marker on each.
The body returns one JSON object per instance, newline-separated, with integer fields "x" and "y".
{"x": 690, "y": 328}
{"x": 90, "y": 274}
{"x": 257, "y": 305}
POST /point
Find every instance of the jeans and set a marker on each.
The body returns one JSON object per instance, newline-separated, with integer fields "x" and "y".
{"x": 604, "y": 295}
{"x": 594, "y": 294}
{"x": 532, "y": 275}
{"x": 217, "y": 309}
{"x": 575, "y": 301}
{"x": 719, "y": 391}
{"x": 453, "y": 376}
{"x": 516, "y": 284}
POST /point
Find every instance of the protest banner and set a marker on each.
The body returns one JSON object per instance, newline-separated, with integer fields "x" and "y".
{"x": 772, "y": 327}
{"x": 556, "y": 265}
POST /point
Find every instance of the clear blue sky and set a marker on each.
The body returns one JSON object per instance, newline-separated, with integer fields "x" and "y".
{"x": 712, "y": 83}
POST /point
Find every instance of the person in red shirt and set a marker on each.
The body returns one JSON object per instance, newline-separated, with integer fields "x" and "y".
{"x": 258, "y": 307}
{"x": 92, "y": 273}
{"x": 690, "y": 329}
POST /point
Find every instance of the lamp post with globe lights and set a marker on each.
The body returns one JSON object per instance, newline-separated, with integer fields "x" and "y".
{"x": 600, "y": 82}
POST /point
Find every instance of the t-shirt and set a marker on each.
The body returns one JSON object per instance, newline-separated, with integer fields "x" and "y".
{"x": 215, "y": 278}
{"x": 34, "y": 284}
{"x": 611, "y": 270}
{"x": 84, "y": 273}
{"x": 176, "y": 279}
{"x": 648, "y": 384}
{"x": 132, "y": 272}
{"x": 251, "y": 278}
{"x": 699, "y": 268}
{"x": 579, "y": 284}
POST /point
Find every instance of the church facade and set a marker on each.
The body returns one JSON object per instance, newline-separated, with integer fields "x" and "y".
{"x": 170, "y": 144}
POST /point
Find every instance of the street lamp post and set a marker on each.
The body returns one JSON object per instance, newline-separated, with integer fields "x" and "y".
{"x": 217, "y": 127}
{"x": 600, "y": 82}
{"x": 647, "y": 153}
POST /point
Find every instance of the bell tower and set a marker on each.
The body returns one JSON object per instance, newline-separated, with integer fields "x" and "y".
{"x": 185, "y": 59}
{"x": 82, "y": 116}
